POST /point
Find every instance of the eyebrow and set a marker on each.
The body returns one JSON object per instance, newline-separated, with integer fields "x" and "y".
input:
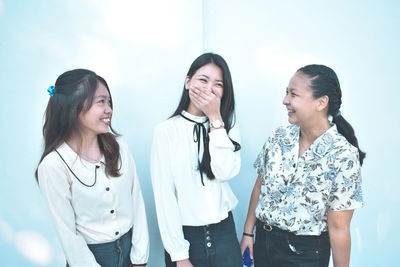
{"x": 209, "y": 78}
{"x": 102, "y": 96}
{"x": 290, "y": 89}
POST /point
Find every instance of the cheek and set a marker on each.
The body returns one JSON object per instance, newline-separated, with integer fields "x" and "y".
{"x": 194, "y": 83}
{"x": 218, "y": 91}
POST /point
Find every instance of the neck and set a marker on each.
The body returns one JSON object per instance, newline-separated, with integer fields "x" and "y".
{"x": 308, "y": 134}
{"x": 85, "y": 146}
{"x": 194, "y": 111}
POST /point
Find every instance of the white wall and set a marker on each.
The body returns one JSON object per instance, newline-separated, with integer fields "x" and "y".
{"x": 144, "y": 49}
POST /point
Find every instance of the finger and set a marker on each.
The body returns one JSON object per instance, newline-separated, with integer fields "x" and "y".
{"x": 201, "y": 100}
{"x": 242, "y": 248}
{"x": 202, "y": 94}
{"x": 251, "y": 251}
{"x": 196, "y": 90}
{"x": 198, "y": 99}
{"x": 195, "y": 101}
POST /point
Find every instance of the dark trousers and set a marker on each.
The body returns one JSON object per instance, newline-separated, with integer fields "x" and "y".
{"x": 113, "y": 254}
{"x": 275, "y": 247}
{"x": 214, "y": 245}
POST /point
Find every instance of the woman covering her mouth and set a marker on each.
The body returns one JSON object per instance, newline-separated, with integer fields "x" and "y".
{"x": 194, "y": 155}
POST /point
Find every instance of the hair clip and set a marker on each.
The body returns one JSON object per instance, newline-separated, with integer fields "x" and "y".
{"x": 51, "y": 90}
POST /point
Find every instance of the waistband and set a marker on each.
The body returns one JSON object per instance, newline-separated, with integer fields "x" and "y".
{"x": 212, "y": 225}
{"x": 272, "y": 228}
{"x": 124, "y": 237}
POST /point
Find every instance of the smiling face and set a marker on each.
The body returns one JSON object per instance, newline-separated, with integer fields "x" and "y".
{"x": 208, "y": 77}
{"x": 97, "y": 119}
{"x": 302, "y": 107}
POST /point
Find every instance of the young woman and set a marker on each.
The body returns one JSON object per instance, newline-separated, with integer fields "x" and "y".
{"x": 309, "y": 180}
{"x": 88, "y": 177}
{"x": 194, "y": 155}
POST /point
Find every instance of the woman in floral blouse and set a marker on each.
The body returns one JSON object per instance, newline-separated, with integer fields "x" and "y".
{"x": 309, "y": 179}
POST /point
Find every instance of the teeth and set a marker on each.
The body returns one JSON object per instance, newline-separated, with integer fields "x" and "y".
{"x": 106, "y": 120}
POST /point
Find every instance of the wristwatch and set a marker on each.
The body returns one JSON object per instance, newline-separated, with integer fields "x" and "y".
{"x": 217, "y": 124}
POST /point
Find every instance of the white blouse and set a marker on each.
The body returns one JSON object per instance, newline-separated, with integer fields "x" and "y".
{"x": 96, "y": 214}
{"x": 180, "y": 197}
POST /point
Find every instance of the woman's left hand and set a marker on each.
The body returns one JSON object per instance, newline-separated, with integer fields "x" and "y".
{"x": 207, "y": 101}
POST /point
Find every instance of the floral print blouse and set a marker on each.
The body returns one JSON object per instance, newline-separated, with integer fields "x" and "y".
{"x": 296, "y": 192}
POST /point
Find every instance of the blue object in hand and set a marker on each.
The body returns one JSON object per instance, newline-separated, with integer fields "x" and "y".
{"x": 247, "y": 261}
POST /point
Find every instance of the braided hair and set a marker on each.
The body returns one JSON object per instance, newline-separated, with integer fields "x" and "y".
{"x": 324, "y": 81}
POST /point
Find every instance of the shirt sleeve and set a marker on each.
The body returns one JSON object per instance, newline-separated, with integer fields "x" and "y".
{"x": 168, "y": 215}
{"x": 140, "y": 235}
{"x": 55, "y": 187}
{"x": 225, "y": 161}
{"x": 346, "y": 193}
{"x": 262, "y": 159}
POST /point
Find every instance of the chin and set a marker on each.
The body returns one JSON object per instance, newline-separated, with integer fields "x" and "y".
{"x": 103, "y": 131}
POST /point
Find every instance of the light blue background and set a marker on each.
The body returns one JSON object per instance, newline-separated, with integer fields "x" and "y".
{"x": 144, "y": 49}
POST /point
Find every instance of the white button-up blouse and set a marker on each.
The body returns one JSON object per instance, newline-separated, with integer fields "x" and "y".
{"x": 296, "y": 192}
{"x": 88, "y": 207}
{"x": 180, "y": 197}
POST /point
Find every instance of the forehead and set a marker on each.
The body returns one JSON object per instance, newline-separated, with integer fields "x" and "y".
{"x": 299, "y": 82}
{"x": 210, "y": 70}
{"x": 101, "y": 91}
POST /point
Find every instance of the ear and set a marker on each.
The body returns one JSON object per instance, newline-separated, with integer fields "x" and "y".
{"x": 323, "y": 103}
{"x": 187, "y": 82}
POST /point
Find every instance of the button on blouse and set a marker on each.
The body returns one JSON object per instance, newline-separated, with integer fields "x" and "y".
{"x": 90, "y": 215}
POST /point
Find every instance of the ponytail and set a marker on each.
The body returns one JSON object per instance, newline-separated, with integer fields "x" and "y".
{"x": 345, "y": 129}
{"x": 324, "y": 82}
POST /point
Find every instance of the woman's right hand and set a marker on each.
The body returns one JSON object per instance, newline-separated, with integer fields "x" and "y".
{"x": 184, "y": 263}
{"x": 247, "y": 242}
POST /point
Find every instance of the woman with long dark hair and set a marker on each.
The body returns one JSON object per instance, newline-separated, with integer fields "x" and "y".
{"x": 88, "y": 177}
{"x": 309, "y": 179}
{"x": 194, "y": 155}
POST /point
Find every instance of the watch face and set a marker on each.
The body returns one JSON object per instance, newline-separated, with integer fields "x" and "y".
{"x": 216, "y": 124}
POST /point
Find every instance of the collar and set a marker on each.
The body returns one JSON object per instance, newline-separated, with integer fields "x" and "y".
{"x": 72, "y": 158}
{"x": 201, "y": 119}
{"x": 323, "y": 144}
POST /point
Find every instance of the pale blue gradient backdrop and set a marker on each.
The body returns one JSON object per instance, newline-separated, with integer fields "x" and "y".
{"x": 144, "y": 49}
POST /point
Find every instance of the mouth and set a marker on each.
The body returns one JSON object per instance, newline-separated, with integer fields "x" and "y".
{"x": 106, "y": 121}
{"x": 290, "y": 112}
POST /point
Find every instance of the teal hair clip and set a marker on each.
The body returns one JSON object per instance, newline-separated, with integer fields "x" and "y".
{"x": 51, "y": 90}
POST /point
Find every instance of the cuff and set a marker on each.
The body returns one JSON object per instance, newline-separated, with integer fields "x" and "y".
{"x": 219, "y": 138}
{"x": 177, "y": 256}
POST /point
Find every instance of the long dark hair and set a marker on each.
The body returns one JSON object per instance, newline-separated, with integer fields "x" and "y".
{"x": 73, "y": 93}
{"x": 324, "y": 81}
{"x": 227, "y": 107}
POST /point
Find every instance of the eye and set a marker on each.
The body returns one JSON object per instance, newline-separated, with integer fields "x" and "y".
{"x": 219, "y": 85}
{"x": 203, "y": 80}
{"x": 101, "y": 101}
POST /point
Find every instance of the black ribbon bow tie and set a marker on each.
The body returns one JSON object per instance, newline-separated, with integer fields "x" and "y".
{"x": 198, "y": 130}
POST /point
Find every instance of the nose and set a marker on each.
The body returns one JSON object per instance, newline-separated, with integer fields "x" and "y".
{"x": 208, "y": 86}
{"x": 108, "y": 109}
{"x": 286, "y": 100}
